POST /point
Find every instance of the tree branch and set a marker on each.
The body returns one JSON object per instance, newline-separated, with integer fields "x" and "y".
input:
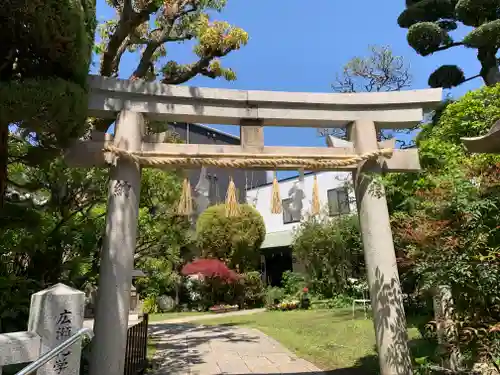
{"x": 448, "y": 46}
{"x": 129, "y": 20}
{"x": 163, "y": 37}
{"x": 471, "y": 78}
{"x": 199, "y": 67}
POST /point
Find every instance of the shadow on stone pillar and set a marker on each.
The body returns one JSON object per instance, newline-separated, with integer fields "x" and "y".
{"x": 380, "y": 258}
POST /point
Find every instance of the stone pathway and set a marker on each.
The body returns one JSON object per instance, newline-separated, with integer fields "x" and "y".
{"x": 193, "y": 318}
{"x": 187, "y": 349}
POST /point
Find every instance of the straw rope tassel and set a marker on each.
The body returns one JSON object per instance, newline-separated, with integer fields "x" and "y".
{"x": 232, "y": 208}
{"x": 186, "y": 200}
{"x": 302, "y": 188}
{"x": 276, "y": 207}
{"x": 315, "y": 208}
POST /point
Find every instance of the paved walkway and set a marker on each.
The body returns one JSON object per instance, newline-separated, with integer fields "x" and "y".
{"x": 194, "y": 318}
{"x": 187, "y": 349}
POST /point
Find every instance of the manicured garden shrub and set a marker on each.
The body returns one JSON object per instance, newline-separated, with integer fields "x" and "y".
{"x": 331, "y": 251}
{"x": 234, "y": 240}
{"x": 252, "y": 290}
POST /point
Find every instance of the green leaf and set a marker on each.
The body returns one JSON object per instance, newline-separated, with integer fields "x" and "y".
{"x": 485, "y": 36}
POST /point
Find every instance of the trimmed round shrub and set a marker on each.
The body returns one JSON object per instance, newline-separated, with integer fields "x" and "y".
{"x": 234, "y": 240}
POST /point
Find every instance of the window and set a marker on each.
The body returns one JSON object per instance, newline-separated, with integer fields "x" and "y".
{"x": 338, "y": 201}
{"x": 289, "y": 215}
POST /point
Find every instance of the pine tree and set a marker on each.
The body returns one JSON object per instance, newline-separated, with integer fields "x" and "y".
{"x": 44, "y": 61}
{"x": 147, "y": 27}
{"x": 431, "y": 22}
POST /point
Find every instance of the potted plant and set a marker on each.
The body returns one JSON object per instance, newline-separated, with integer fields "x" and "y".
{"x": 305, "y": 301}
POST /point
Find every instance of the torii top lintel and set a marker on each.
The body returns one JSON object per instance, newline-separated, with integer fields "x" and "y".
{"x": 271, "y": 108}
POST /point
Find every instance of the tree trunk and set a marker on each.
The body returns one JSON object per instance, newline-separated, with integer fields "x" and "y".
{"x": 177, "y": 299}
{"x": 4, "y": 153}
{"x": 445, "y": 327}
{"x": 489, "y": 66}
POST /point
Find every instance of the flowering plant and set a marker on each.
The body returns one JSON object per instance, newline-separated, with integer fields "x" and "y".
{"x": 360, "y": 287}
{"x": 223, "y": 307}
{"x": 288, "y": 305}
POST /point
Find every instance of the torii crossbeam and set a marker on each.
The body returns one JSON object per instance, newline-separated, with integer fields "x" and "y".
{"x": 252, "y": 110}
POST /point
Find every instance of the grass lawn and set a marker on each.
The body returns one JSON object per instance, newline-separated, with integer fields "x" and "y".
{"x": 331, "y": 339}
{"x": 173, "y": 315}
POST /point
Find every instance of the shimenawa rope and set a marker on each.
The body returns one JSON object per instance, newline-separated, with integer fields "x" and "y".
{"x": 142, "y": 158}
{"x": 185, "y": 206}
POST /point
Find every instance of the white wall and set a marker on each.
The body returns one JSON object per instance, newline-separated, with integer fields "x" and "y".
{"x": 260, "y": 197}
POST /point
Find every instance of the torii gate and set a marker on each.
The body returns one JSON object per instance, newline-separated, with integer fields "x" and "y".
{"x": 362, "y": 113}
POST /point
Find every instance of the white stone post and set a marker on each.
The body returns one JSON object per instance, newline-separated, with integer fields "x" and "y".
{"x": 380, "y": 258}
{"x": 55, "y": 315}
{"x": 117, "y": 258}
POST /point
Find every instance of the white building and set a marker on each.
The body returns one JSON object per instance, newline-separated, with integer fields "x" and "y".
{"x": 335, "y": 196}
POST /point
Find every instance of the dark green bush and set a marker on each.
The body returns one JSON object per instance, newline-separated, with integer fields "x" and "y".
{"x": 45, "y": 90}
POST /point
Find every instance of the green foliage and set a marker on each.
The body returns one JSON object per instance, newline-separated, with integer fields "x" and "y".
{"x": 60, "y": 241}
{"x": 273, "y": 295}
{"x": 149, "y": 305}
{"x": 472, "y": 115}
{"x": 426, "y": 11}
{"x": 293, "y": 282}
{"x": 476, "y": 12}
{"x": 252, "y": 290}
{"x": 55, "y": 109}
{"x": 331, "y": 251}
{"x": 445, "y": 223}
{"x": 213, "y": 40}
{"x": 484, "y": 36}
{"x": 43, "y": 75}
{"x": 340, "y": 301}
{"x": 425, "y": 37}
{"x": 51, "y": 38}
{"x": 429, "y": 23}
{"x": 163, "y": 235}
{"x": 161, "y": 276}
{"x": 446, "y": 76}
{"x": 53, "y": 230}
{"x": 234, "y": 240}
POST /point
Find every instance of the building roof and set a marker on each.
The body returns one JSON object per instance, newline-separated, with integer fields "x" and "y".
{"x": 277, "y": 239}
{"x": 217, "y": 131}
{"x": 291, "y": 178}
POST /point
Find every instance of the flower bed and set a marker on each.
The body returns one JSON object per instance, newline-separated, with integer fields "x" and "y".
{"x": 285, "y": 306}
{"x": 223, "y": 308}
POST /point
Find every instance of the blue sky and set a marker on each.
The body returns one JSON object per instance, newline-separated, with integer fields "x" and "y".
{"x": 295, "y": 47}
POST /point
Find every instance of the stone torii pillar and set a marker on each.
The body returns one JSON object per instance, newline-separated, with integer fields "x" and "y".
{"x": 117, "y": 257}
{"x": 380, "y": 258}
